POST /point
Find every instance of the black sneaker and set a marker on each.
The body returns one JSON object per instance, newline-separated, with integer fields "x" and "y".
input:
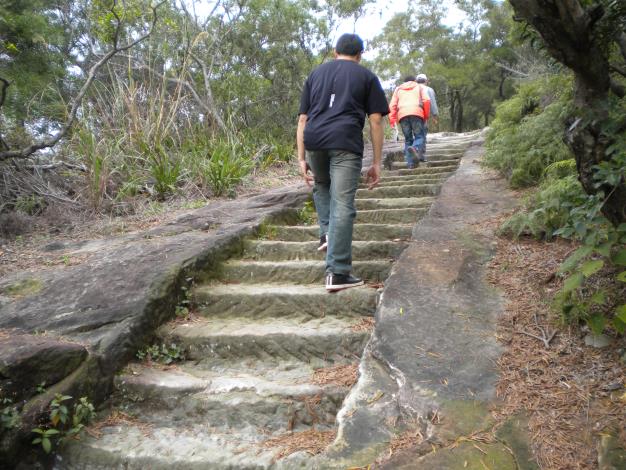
{"x": 323, "y": 243}
{"x": 335, "y": 282}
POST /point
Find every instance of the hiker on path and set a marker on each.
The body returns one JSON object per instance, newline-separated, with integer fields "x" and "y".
{"x": 422, "y": 79}
{"x": 410, "y": 105}
{"x": 335, "y": 99}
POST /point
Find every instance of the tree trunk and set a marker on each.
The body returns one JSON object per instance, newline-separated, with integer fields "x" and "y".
{"x": 458, "y": 121}
{"x": 452, "y": 102}
{"x": 567, "y": 30}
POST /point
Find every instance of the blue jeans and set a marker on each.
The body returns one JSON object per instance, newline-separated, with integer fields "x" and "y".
{"x": 414, "y": 136}
{"x": 336, "y": 174}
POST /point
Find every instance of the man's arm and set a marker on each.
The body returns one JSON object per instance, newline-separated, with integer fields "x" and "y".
{"x": 377, "y": 135}
{"x": 304, "y": 167}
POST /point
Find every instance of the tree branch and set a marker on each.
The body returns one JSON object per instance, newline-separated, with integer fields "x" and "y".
{"x": 512, "y": 70}
{"x": 3, "y": 92}
{"x": 51, "y": 141}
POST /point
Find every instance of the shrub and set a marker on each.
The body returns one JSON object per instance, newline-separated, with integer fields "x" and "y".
{"x": 526, "y": 134}
{"x": 547, "y": 210}
{"x": 225, "y": 168}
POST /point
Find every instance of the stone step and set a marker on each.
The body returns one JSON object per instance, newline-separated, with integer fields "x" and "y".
{"x": 302, "y": 272}
{"x": 398, "y": 165}
{"x": 268, "y": 250}
{"x": 421, "y": 170}
{"x": 227, "y": 400}
{"x": 416, "y": 178}
{"x": 431, "y": 154}
{"x": 399, "y": 191}
{"x": 297, "y": 337}
{"x": 405, "y": 182}
{"x": 136, "y": 446}
{"x": 448, "y": 167}
{"x": 392, "y": 216}
{"x": 302, "y": 233}
{"x": 393, "y": 203}
{"x": 262, "y": 301}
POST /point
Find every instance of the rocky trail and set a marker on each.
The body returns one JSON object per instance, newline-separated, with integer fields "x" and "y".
{"x": 263, "y": 328}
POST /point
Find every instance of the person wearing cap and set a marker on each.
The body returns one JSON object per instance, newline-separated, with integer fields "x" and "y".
{"x": 336, "y": 98}
{"x": 422, "y": 79}
{"x": 410, "y": 106}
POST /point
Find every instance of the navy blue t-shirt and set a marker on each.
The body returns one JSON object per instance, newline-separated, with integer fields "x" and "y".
{"x": 336, "y": 98}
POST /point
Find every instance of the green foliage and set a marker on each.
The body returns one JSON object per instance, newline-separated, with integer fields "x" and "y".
{"x": 31, "y": 205}
{"x": 31, "y": 60}
{"x": 59, "y": 412}
{"x": 45, "y": 438}
{"x": 63, "y": 422}
{"x": 225, "y": 167}
{"x": 9, "y": 415}
{"x": 182, "y": 309}
{"x": 162, "y": 354}
{"x": 307, "y": 214}
{"x": 166, "y": 171}
{"x": 525, "y": 144}
{"x": 526, "y": 135}
{"x": 547, "y": 210}
{"x": 267, "y": 232}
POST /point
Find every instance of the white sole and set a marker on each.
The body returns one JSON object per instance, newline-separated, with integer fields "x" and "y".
{"x": 343, "y": 286}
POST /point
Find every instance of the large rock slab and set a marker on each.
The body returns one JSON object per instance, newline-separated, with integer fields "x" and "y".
{"x": 27, "y": 361}
{"x": 126, "y": 287}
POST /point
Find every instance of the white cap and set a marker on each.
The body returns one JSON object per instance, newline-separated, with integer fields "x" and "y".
{"x": 423, "y": 77}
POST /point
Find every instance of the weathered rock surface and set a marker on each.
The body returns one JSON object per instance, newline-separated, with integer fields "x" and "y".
{"x": 113, "y": 302}
{"x": 27, "y": 361}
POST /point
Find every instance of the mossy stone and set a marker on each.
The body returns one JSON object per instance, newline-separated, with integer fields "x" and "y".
{"x": 23, "y": 287}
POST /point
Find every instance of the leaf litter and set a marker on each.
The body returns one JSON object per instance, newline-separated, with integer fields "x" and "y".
{"x": 559, "y": 383}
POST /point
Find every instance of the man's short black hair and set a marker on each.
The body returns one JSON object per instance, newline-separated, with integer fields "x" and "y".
{"x": 409, "y": 78}
{"x": 349, "y": 44}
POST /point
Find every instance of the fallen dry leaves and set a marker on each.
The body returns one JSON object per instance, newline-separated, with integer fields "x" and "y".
{"x": 343, "y": 375}
{"x": 117, "y": 418}
{"x": 563, "y": 387}
{"x": 311, "y": 441}
{"x": 364, "y": 324}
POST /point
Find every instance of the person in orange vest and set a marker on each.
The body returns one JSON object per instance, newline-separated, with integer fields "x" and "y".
{"x": 410, "y": 106}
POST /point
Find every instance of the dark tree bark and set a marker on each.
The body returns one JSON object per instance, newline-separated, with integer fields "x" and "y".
{"x": 570, "y": 36}
{"x": 458, "y": 119}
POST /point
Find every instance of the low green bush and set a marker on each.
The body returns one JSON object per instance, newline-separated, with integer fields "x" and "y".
{"x": 526, "y": 135}
{"x": 547, "y": 210}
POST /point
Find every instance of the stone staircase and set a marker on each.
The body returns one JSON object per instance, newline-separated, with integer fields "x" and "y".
{"x": 264, "y": 330}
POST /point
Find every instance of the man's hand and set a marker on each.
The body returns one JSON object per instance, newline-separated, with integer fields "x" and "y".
{"x": 372, "y": 177}
{"x": 305, "y": 171}
{"x": 435, "y": 120}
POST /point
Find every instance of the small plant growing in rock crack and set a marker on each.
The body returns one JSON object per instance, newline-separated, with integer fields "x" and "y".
{"x": 182, "y": 309}
{"x": 41, "y": 387}
{"x": 162, "y": 354}
{"x": 267, "y": 232}
{"x": 306, "y": 215}
{"x": 63, "y": 424}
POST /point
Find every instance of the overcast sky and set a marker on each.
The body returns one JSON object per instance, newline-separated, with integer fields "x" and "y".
{"x": 381, "y": 12}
